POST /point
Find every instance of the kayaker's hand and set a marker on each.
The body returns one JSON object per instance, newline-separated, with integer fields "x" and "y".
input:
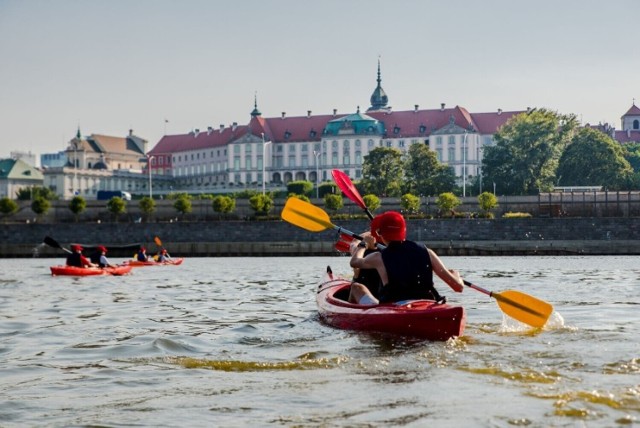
{"x": 457, "y": 276}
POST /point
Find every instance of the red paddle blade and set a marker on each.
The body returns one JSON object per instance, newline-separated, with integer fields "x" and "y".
{"x": 346, "y": 185}
{"x": 342, "y": 246}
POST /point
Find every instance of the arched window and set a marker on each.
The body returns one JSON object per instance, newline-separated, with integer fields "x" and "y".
{"x": 636, "y": 124}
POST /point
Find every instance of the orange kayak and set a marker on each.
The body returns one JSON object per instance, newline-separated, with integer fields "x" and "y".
{"x": 136, "y": 263}
{"x": 89, "y": 271}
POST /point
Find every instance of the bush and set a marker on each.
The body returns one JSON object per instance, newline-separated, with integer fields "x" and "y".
{"x": 372, "y": 202}
{"x": 77, "y": 205}
{"x": 40, "y": 205}
{"x": 223, "y": 204}
{"x": 261, "y": 204}
{"x": 8, "y": 206}
{"x": 516, "y": 215}
{"x": 333, "y": 202}
{"x": 301, "y": 187}
{"x": 410, "y": 203}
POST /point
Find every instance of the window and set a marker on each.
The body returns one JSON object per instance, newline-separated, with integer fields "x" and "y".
{"x": 247, "y": 162}
{"x": 452, "y": 154}
{"x": 345, "y": 145}
{"x": 345, "y": 159}
{"x": 292, "y": 161}
{"x": 439, "y": 154}
{"x": 334, "y": 144}
{"x": 452, "y": 139}
{"x": 401, "y": 143}
{"x": 305, "y": 148}
{"x": 236, "y": 149}
{"x": 236, "y": 163}
{"x": 370, "y": 143}
{"x": 334, "y": 158}
{"x": 636, "y": 124}
{"x": 358, "y": 144}
{"x": 358, "y": 158}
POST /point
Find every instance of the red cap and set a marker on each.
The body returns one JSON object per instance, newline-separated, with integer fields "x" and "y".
{"x": 143, "y": 249}
{"x": 390, "y": 225}
{"x": 102, "y": 249}
{"x": 76, "y": 248}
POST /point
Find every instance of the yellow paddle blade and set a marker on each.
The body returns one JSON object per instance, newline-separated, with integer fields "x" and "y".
{"x": 158, "y": 241}
{"x": 305, "y": 215}
{"x": 524, "y": 308}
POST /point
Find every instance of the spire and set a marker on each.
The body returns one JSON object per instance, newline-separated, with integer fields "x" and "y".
{"x": 379, "y": 98}
{"x": 255, "y": 111}
{"x": 78, "y": 134}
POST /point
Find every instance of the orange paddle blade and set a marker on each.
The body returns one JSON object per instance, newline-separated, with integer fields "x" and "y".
{"x": 524, "y": 308}
{"x": 305, "y": 215}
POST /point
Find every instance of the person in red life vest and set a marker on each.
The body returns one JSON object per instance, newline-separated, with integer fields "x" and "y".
{"x": 77, "y": 259}
{"x": 99, "y": 257}
{"x": 405, "y": 267}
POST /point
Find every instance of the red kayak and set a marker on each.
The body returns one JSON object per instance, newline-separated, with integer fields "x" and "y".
{"x": 174, "y": 261}
{"x": 89, "y": 271}
{"x": 425, "y": 319}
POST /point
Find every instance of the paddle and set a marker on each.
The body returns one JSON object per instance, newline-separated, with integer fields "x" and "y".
{"x": 520, "y": 306}
{"x": 157, "y": 241}
{"x": 348, "y": 188}
{"x": 53, "y": 243}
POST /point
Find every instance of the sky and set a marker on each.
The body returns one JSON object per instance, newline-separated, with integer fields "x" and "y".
{"x": 171, "y": 66}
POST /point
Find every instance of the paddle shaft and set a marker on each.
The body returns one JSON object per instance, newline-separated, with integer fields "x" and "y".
{"x": 53, "y": 243}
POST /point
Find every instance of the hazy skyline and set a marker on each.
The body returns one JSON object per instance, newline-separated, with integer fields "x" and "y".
{"x": 111, "y": 66}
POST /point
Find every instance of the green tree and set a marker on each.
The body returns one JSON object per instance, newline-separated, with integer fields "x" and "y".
{"x": 147, "y": 206}
{"x": 383, "y": 172}
{"x": 487, "y": 201}
{"x": 8, "y": 206}
{"x": 116, "y": 206}
{"x": 77, "y": 205}
{"x": 425, "y": 175}
{"x": 32, "y": 192}
{"x": 261, "y": 204}
{"x": 182, "y": 204}
{"x": 527, "y": 151}
{"x": 333, "y": 202}
{"x": 327, "y": 188}
{"x": 447, "y": 202}
{"x": 40, "y": 205}
{"x": 301, "y": 187}
{"x": 372, "y": 202}
{"x": 593, "y": 158}
{"x": 410, "y": 203}
{"x": 223, "y": 204}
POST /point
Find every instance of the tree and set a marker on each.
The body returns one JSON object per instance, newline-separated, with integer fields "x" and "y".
{"x": 223, "y": 204}
{"x": 593, "y": 158}
{"x": 333, "y": 202}
{"x": 447, "y": 202}
{"x": 147, "y": 206}
{"x": 40, "y": 205}
{"x": 527, "y": 151}
{"x": 182, "y": 204}
{"x": 383, "y": 171}
{"x": 116, "y": 206}
{"x": 487, "y": 201}
{"x": 32, "y": 192}
{"x": 300, "y": 187}
{"x": 77, "y": 205}
{"x": 410, "y": 203}
{"x": 261, "y": 204}
{"x": 425, "y": 175}
{"x": 372, "y": 202}
{"x": 8, "y": 206}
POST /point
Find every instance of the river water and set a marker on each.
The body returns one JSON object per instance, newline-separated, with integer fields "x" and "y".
{"x": 236, "y": 342}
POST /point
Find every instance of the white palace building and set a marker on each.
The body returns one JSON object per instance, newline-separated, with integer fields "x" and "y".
{"x": 273, "y": 151}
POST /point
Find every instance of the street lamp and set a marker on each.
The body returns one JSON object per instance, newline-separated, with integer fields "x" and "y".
{"x": 264, "y": 160}
{"x": 149, "y": 157}
{"x": 316, "y": 154}
{"x": 464, "y": 165}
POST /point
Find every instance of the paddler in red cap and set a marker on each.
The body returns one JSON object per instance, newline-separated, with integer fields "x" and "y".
{"x": 77, "y": 259}
{"x": 100, "y": 257}
{"x": 405, "y": 267}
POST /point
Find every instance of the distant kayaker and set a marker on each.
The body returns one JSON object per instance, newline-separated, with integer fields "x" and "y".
{"x": 405, "y": 267}
{"x": 99, "y": 257}
{"x": 142, "y": 255}
{"x": 77, "y": 259}
{"x": 163, "y": 256}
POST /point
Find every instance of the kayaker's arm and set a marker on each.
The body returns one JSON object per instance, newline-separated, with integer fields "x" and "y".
{"x": 450, "y": 276}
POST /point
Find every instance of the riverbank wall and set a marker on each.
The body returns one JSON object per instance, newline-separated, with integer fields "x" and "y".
{"x": 269, "y": 238}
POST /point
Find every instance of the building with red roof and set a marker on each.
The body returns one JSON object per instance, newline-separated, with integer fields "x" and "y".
{"x": 308, "y": 147}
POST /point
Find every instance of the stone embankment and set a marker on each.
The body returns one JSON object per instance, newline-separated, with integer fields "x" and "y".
{"x": 532, "y": 236}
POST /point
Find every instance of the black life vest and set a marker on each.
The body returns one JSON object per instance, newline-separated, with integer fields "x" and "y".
{"x": 369, "y": 277}
{"x": 410, "y": 273}
{"x": 74, "y": 259}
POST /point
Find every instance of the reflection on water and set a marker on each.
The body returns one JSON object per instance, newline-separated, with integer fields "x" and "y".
{"x": 236, "y": 342}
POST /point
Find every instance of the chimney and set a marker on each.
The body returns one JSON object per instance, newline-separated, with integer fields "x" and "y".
{"x": 209, "y": 129}
{"x": 130, "y": 132}
{"x": 335, "y": 112}
{"x": 234, "y": 126}
{"x": 284, "y": 113}
{"x": 197, "y": 131}
{"x": 528, "y": 109}
{"x": 441, "y": 106}
{"x": 221, "y": 127}
{"x": 499, "y": 111}
{"x": 308, "y": 114}
{"x": 416, "y": 108}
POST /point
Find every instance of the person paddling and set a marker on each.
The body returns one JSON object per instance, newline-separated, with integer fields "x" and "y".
{"x": 99, "y": 257}
{"x": 77, "y": 259}
{"x": 405, "y": 267}
{"x": 142, "y": 255}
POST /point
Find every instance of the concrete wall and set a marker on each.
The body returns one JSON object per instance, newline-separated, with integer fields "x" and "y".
{"x": 277, "y": 238}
